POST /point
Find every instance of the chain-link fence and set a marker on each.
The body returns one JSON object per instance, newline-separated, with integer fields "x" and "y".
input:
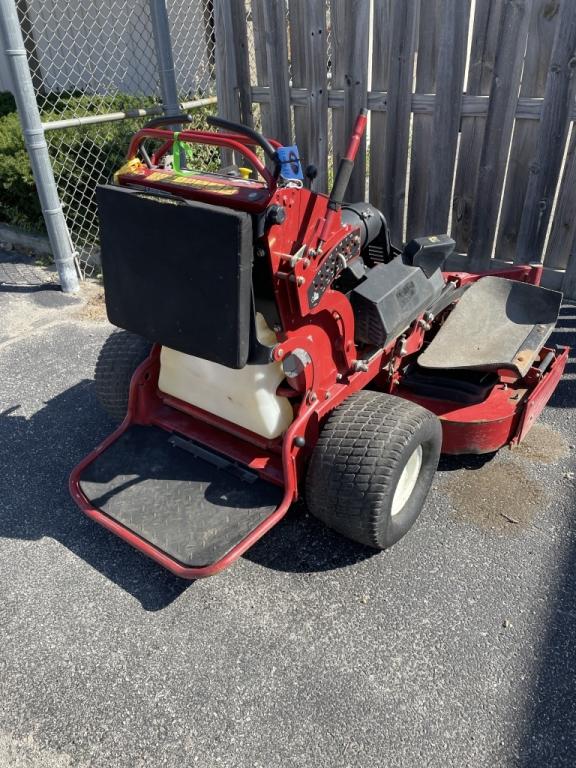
{"x": 95, "y": 73}
{"x": 97, "y": 69}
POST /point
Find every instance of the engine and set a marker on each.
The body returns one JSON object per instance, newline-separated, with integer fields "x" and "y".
{"x": 389, "y": 288}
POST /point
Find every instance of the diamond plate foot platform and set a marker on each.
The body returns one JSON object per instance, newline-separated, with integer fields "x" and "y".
{"x": 193, "y": 505}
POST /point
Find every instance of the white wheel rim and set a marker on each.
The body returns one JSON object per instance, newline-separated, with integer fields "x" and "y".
{"x": 407, "y": 481}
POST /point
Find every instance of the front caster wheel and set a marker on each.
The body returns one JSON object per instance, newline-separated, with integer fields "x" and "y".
{"x": 372, "y": 467}
{"x": 119, "y": 357}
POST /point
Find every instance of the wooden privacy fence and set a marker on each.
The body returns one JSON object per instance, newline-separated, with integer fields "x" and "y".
{"x": 471, "y": 102}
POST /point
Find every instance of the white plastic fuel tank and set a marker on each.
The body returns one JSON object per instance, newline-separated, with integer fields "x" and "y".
{"x": 246, "y": 397}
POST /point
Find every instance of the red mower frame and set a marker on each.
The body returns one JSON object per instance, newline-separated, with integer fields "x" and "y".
{"x": 324, "y": 334}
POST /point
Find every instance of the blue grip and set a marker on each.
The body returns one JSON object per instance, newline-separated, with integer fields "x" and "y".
{"x": 289, "y": 159}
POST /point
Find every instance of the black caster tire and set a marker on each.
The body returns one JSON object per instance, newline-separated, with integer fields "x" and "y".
{"x": 372, "y": 467}
{"x": 121, "y": 354}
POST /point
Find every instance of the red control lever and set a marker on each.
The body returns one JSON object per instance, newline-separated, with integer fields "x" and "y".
{"x": 343, "y": 176}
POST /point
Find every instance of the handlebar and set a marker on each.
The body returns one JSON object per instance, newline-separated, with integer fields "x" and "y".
{"x": 236, "y": 142}
{"x": 228, "y": 125}
{"x": 343, "y": 176}
{"x": 238, "y": 139}
{"x": 175, "y": 120}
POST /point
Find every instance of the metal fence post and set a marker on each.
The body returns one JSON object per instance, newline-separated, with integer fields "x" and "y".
{"x": 13, "y": 43}
{"x": 165, "y": 57}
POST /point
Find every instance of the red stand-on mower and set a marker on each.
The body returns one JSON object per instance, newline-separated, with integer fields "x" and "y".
{"x": 276, "y": 345}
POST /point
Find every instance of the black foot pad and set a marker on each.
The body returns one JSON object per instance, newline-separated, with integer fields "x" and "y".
{"x": 182, "y": 504}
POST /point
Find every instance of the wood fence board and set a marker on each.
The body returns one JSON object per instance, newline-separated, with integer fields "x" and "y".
{"x": 543, "y": 23}
{"x": 309, "y": 68}
{"x": 316, "y": 58}
{"x": 563, "y": 230}
{"x": 350, "y": 59}
{"x": 422, "y": 103}
{"x": 420, "y": 157}
{"x": 226, "y": 70}
{"x": 242, "y": 61}
{"x": 338, "y": 34}
{"x": 504, "y": 93}
{"x": 275, "y": 26}
{"x": 232, "y": 65}
{"x": 444, "y": 141}
{"x": 403, "y": 34}
{"x": 569, "y": 284}
{"x": 299, "y": 29}
{"x": 380, "y": 65}
{"x": 356, "y": 87}
{"x": 261, "y": 59}
{"x": 553, "y": 130}
{"x": 485, "y": 35}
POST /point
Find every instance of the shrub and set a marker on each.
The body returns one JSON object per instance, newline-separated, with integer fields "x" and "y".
{"x": 19, "y": 203}
{"x": 7, "y": 103}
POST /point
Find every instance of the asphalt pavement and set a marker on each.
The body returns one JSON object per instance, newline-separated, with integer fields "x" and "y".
{"x": 453, "y": 648}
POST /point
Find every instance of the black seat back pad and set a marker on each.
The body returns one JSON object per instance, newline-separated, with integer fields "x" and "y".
{"x": 178, "y": 272}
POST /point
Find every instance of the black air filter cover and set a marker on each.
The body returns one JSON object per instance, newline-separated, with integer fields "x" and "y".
{"x": 391, "y": 297}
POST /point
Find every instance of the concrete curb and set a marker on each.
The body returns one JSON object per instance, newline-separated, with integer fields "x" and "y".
{"x": 22, "y": 240}
{"x": 31, "y": 242}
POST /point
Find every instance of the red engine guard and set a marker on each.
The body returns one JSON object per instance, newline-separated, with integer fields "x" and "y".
{"x": 505, "y": 417}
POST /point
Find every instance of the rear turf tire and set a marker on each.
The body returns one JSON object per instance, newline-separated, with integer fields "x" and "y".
{"x": 372, "y": 467}
{"x": 119, "y": 357}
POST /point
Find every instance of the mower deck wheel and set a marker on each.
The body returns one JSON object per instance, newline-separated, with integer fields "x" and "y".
{"x": 121, "y": 354}
{"x": 372, "y": 467}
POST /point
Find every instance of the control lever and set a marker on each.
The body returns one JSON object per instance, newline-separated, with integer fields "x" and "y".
{"x": 343, "y": 175}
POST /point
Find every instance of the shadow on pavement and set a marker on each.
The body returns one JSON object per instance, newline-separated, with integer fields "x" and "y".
{"x": 302, "y": 544}
{"x": 549, "y": 726}
{"x": 36, "y": 456}
{"x": 39, "y": 454}
{"x": 565, "y": 335}
{"x": 450, "y": 463}
{"x": 29, "y": 288}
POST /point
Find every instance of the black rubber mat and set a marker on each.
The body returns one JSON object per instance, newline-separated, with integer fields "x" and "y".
{"x": 181, "y": 503}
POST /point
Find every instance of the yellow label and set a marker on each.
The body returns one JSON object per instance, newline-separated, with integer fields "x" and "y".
{"x": 159, "y": 176}
{"x": 132, "y": 166}
{"x": 210, "y": 185}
